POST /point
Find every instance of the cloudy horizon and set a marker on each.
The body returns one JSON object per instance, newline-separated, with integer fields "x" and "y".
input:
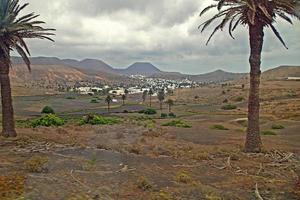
{"x": 163, "y": 32}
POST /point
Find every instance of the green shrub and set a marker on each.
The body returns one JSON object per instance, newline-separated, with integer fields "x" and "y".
{"x": 239, "y": 99}
{"x": 48, "y": 120}
{"x": 229, "y": 107}
{"x": 164, "y": 115}
{"x": 36, "y": 164}
{"x": 70, "y": 97}
{"x": 219, "y": 127}
{"x": 98, "y": 120}
{"x": 183, "y": 177}
{"x": 150, "y": 111}
{"x": 94, "y": 101}
{"x": 277, "y": 126}
{"x": 172, "y": 115}
{"x": 268, "y": 133}
{"x": 141, "y": 111}
{"x": 177, "y": 123}
{"x": 48, "y": 110}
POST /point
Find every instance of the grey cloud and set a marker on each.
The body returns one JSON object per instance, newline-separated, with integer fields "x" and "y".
{"x": 160, "y": 31}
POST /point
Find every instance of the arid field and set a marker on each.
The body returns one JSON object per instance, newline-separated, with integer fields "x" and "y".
{"x": 197, "y": 154}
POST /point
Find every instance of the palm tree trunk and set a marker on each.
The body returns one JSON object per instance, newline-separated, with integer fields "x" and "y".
{"x": 108, "y": 107}
{"x": 169, "y": 108}
{"x": 253, "y": 140}
{"x": 150, "y": 101}
{"x": 8, "y": 122}
{"x": 160, "y": 106}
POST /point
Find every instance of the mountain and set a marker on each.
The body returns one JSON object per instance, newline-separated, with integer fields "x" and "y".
{"x": 281, "y": 72}
{"x": 140, "y": 68}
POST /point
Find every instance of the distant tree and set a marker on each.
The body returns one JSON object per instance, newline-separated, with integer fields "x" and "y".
{"x": 161, "y": 98}
{"x": 256, "y": 15}
{"x": 170, "y": 103}
{"x": 150, "y": 93}
{"x": 124, "y": 98}
{"x": 145, "y": 93}
{"x": 14, "y": 28}
{"x": 243, "y": 86}
{"x": 108, "y": 100}
{"x": 126, "y": 91}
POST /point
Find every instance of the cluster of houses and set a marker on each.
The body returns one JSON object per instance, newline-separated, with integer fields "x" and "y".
{"x": 144, "y": 83}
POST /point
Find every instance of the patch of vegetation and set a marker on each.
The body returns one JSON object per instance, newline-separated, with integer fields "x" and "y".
{"x": 144, "y": 184}
{"x": 225, "y": 101}
{"x": 219, "y": 127}
{"x": 212, "y": 196}
{"x": 134, "y": 149}
{"x": 172, "y": 115}
{"x": 37, "y": 164}
{"x": 201, "y": 156}
{"x": 164, "y": 115}
{"x": 239, "y": 99}
{"x": 70, "y": 97}
{"x": 48, "y": 110}
{"x": 183, "y": 177}
{"x": 48, "y": 120}
{"x": 277, "y": 126}
{"x": 268, "y": 132}
{"x": 229, "y": 107}
{"x": 177, "y": 123}
{"x": 94, "y": 101}
{"x": 148, "y": 111}
{"x": 12, "y": 186}
{"x": 93, "y": 119}
{"x": 162, "y": 195}
{"x": 89, "y": 164}
{"x": 291, "y": 94}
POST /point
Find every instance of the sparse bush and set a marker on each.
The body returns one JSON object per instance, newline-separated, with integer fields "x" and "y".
{"x": 277, "y": 126}
{"x": 144, "y": 184}
{"x": 219, "y": 127}
{"x": 239, "y": 99}
{"x": 94, "y": 101}
{"x": 48, "y": 110}
{"x": 70, "y": 97}
{"x": 172, "y": 115}
{"x": 183, "y": 177}
{"x": 229, "y": 107}
{"x": 223, "y": 92}
{"x": 125, "y": 111}
{"x": 268, "y": 132}
{"x": 150, "y": 111}
{"x": 36, "y": 164}
{"x": 48, "y": 120}
{"x": 196, "y": 97}
{"x": 164, "y": 115}
{"x": 225, "y": 101}
{"x": 98, "y": 120}
{"x": 177, "y": 123}
{"x": 162, "y": 195}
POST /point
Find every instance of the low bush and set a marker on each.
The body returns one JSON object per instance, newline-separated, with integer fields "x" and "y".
{"x": 277, "y": 126}
{"x": 172, "y": 115}
{"x": 144, "y": 184}
{"x": 70, "y": 97}
{"x": 48, "y": 110}
{"x": 94, "y": 101}
{"x": 48, "y": 120}
{"x": 239, "y": 99}
{"x": 183, "y": 177}
{"x": 219, "y": 127}
{"x": 150, "y": 111}
{"x": 164, "y": 115}
{"x": 36, "y": 164}
{"x": 229, "y": 107}
{"x": 98, "y": 120}
{"x": 177, "y": 123}
{"x": 225, "y": 101}
{"x": 268, "y": 133}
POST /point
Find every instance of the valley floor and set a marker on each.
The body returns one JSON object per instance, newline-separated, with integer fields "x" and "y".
{"x": 141, "y": 158}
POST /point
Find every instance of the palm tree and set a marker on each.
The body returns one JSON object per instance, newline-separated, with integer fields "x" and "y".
{"x": 145, "y": 93}
{"x": 150, "y": 93}
{"x": 170, "y": 103}
{"x": 126, "y": 91}
{"x": 108, "y": 100}
{"x": 161, "y": 98}
{"x": 123, "y": 98}
{"x": 256, "y": 15}
{"x": 13, "y": 30}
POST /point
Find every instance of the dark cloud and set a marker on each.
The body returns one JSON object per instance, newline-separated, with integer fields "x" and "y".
{"x": 160, "y": 31}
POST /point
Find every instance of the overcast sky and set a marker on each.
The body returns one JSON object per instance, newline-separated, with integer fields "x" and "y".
{"x": 163, "y": 32}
